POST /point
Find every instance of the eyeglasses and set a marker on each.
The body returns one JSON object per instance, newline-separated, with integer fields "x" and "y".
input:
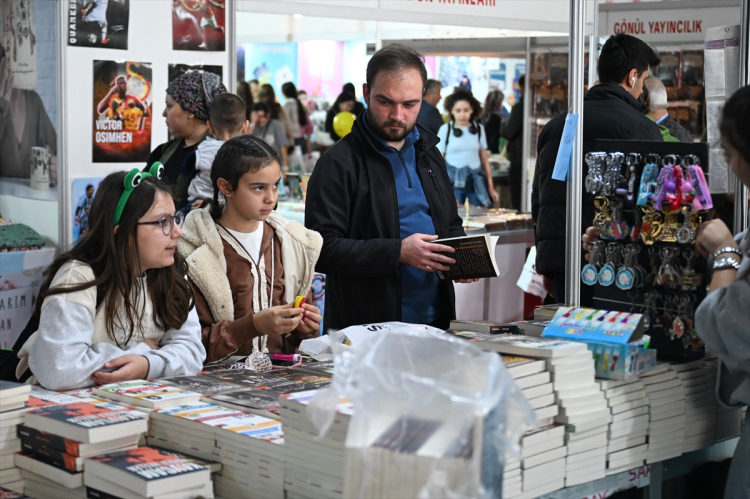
{"x": 168, "y": 222}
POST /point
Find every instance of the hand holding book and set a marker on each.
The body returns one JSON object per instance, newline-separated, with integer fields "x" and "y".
{"x": 420, "y": 252}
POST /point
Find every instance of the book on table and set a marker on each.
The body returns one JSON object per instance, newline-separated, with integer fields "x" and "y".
{"x": 146, "y": 394}
{"x": 148, "y": 471}
{"x": 86, "y": 422}
{"x": 474, "y": 256}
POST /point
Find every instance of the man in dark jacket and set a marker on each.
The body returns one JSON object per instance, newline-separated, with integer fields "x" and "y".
{"x": 378, "y": 197}
{"x": 610, "y": 111}
{"x": 429, "y": 117}
{"x": 513, "y": 133}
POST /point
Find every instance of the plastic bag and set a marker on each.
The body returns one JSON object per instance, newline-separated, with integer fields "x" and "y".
{"x": 434, "y": 416}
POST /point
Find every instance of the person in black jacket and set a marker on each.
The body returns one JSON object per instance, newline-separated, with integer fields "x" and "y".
{"x": 512, "y": 131}
{"x": 379, "y": 196}
{"x": 610, "y": 111}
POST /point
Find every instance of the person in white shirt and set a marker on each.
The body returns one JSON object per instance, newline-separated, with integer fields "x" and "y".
{"x": 463, "y": 142}
{"x": 226, "y": 120}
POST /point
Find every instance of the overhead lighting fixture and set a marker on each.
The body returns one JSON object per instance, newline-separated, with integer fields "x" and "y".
{"x": 297, "y": 16}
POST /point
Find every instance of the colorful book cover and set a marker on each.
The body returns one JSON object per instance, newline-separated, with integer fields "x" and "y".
{"x": 39, "y": 397}
{"x": 146, "y": 390}
{"x": 278, "y": 380}
{"x": 201, "y": 384}
{"x": 86, "y": 415}
{"x": 39, "y": 439}
{"x": 150, "y": 464}
{"x": 50, "y": 456}
{"x": 250, "y": 398}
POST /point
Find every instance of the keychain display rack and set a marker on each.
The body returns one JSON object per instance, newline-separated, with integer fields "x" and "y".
{"x": 650, "y": 199}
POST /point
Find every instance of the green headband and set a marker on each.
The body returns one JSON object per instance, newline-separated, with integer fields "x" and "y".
{"x": 133, "y": 180}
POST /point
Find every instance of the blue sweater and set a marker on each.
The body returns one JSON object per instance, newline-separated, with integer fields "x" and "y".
{"x": 419, "y": 289}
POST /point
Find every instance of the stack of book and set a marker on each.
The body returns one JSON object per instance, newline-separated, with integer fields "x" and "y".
{"x": 626, "y": 436}
{"x": 55, "y": 439}
{"x": 249, "y": 447}
{"x": 535, "y": 382}
{"x": 666, "y": 401}
{"x": 543, "y": 465}
{"x": 259, "y": 392}
{"x": 698, "y": 385}
{"x": 146, "y": 472}
{"x": 512, "y": 479}
{"x": 6, "y": 493}
{"x": 315, "y": 466}
{"x": 13, "y": 398}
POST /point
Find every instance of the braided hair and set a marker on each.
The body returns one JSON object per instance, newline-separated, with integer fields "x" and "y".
{"x": 236, "y": 157}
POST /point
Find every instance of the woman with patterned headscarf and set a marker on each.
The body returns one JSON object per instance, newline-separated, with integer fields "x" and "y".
{"x": 188, "y": 100}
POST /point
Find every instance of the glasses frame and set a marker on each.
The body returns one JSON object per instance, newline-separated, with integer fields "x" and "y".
{"x": 163, "y": 222}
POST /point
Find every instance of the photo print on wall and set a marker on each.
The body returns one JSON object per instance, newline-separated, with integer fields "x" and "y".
{"x": 98, "y": 23}
{"x": 199, "y": 25}
{"x": 122, "y": 111}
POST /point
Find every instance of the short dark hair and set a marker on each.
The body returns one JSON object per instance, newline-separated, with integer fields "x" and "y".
{"x": 349, "y": 88}
{"x": 431, "y": 86}
{"x": 393, "y": 58}
{"x": 89, "y": 187}
{"x": 522, "y": 81}
{"x": 261, "y": 107}
{"x": 227, "y": 113}
{"x": 735, "y": 118}
{"x": 621, "y": 54}
{"x": 463, "y": 95}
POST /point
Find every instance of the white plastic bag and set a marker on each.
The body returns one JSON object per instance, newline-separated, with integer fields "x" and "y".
{"x": 434, "y": 416}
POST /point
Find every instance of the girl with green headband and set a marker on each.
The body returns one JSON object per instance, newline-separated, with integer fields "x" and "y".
{"x": 115, "y": 307}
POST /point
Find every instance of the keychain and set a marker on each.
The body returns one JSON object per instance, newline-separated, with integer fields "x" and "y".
{"x": 669, "y": 275}
{"x": 652, "y": 321}
{"x": 628, "y": 276}
{"x": 690, "y": 279}
{"x": 674, "y": 189}
{"x": 669, "y": 227}
{"x": 602, "y": 212}
{"x": 665, "y": 183}
{"x": 648, "y": 179}
{"x": 653, "y": 259}
{"x": 652, "y": 224}
{"x": 613, "y": 177}
{"x": 615, "y": 227}
{"x": 590, "y": 272}
{"x": 677, "y": 328}
{"x": 595, "y": 178}
{"x": 686, "y": 233}
{"x": 702, "y": 199}
{"x": 631, "y": 161}
{"x": 608, "y": 272}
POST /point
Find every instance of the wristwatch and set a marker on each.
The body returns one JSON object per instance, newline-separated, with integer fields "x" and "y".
{"x": 728, "y": 249}
{"x": 726, "y": 262}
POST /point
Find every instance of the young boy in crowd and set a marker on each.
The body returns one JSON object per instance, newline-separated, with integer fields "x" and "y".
{"x": 226, "y": 120}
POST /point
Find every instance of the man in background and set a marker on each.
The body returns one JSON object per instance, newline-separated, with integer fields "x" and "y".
{"x": 657, "y": 109}
{"x": 513, "y": 132}
{"x": 611, "y": 110}
{"x": 429, "y": 117}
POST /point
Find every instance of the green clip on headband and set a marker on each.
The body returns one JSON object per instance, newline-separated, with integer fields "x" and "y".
{"x": 133, "y": 180}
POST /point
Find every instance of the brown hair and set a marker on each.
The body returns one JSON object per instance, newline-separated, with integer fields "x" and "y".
{"x": 463, "y": 95}
{"x": 393, "y": 58}
{"x": 113, "y": 256}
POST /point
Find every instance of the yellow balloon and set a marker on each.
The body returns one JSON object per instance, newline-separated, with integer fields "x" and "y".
{"x": 343, "y": 122}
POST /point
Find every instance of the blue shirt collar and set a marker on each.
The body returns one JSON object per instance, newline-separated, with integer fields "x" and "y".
{"x": 382, "y": 146}
{"x": 658, "y": 122}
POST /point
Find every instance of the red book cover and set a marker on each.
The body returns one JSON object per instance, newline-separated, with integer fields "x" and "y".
{"x": 150, "y": 463}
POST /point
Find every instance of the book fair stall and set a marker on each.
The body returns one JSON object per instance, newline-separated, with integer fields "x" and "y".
{"x": 570, "y": 402}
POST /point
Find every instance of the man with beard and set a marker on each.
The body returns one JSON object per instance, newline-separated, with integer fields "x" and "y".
{"x": 119, "y": 94}
{"x": 378, "y": 197}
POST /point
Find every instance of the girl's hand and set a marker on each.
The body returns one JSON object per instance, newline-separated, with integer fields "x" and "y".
{"x": 591, "y": 235}
{"x": 311, "y": 319}
{"x": 494, "y": 195}
{"x": 281, "y": 319}
{"x": 126, "y": 368}
{"x": 713, "y": 236}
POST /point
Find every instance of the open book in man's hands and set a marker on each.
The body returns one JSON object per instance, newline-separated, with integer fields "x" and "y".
{"x": 475, "y": 257}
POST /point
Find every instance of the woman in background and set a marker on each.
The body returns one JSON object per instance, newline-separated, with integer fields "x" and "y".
{"x": 298, "y": 117}
{"x": 243, "y": 91}
{"x": 344, "y": 104}
{"x": 492, "y": 119}
{"x": 267, "y": 95}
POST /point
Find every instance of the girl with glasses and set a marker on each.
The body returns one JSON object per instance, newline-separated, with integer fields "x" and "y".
{"x": 246, "y": 263}
{"x": 463, "y": 142}
{"x": 115, "y": 307}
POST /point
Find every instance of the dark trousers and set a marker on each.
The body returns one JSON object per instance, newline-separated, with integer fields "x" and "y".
{"x": 587, "y": 292}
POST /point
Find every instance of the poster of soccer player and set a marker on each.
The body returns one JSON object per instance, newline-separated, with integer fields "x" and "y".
{"x": 98, "y": 23}
{"x": 122, "y": 111}
{"x": 198, "y": 25}
{"x": 84, "y": 190}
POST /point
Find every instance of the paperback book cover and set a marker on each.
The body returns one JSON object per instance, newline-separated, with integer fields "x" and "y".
{"x": 204, "y": 385}
{"x": 474, "y": 255}
{"x": 146, "y": 393}
{"x": 141, "y": 469}
{"x": 79, "y": 421}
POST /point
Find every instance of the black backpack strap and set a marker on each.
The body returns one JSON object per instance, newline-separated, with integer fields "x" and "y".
{"x": 448, "y": 137}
